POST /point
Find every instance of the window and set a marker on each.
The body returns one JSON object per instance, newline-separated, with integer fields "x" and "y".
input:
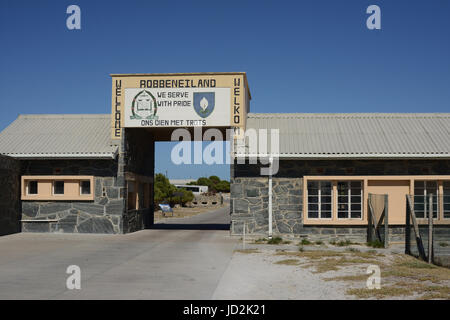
{"x": 349, "y": 203}
{"x": 85, "y": 187}
{"x": 422, "y": 189}
{"x": 446, "y": 199}
{"x": 58, "y": 187}
{"x": 32, "y": 187}
{"x": 319, "y": 199}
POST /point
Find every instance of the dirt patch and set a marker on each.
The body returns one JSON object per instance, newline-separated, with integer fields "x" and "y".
{"x": 402, "y": 276}
{"x": 247, "y": 251}
{"x": 289, "y": 262}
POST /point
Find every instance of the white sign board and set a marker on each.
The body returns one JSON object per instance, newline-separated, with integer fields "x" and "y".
{"x": 180, "y": 107}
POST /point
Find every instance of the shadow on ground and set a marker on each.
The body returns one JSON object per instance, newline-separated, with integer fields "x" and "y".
{"x": 182, "y": 226}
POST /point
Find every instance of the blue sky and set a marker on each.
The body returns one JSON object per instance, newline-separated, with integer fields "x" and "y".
{"x": 300, "y": 56}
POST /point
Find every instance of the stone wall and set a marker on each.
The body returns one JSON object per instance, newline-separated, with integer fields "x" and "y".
{"x": 103, "y": 215}
{"x": 136, "y": 156}
{"x": 249, "y": 195}
{"x": 9, "y": 196}
{"x": 207, "y": 200}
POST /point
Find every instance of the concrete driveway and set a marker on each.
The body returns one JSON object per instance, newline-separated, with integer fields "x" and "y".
{"x": 179, "y": 259}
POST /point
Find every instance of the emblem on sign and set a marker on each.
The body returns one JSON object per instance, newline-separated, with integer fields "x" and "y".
{"x": 204, "y": 103}
{"x": 144, "y": 106}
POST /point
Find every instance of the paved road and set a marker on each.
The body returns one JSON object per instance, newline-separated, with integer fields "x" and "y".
{"x": 168, "y": 262}
{"x": 216, "y": 220}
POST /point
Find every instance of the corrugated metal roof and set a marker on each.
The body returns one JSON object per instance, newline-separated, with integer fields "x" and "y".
{"x": 59, "y": 136}
{"x": 358, "y": 135}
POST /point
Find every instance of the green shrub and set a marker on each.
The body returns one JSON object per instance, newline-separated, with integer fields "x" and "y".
{"x": 276, "y": 240}
{"x": 344, "y": 243}
{"x": 319, "y": 242}
{"x": 305, "y": 242}
{"x": 375, "y": 244}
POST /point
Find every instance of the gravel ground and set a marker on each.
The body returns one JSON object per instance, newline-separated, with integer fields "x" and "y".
{"x": 253, "y": 273}
{"x": 254, "y": 276}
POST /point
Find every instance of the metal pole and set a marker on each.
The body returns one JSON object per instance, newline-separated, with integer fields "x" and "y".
{"x": 243, "y": 237}
{"x": 270, "y": 198}
{"x": 430, "y": 228}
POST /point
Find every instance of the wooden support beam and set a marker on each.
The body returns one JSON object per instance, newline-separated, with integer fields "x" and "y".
{"x": 416, "y": 228}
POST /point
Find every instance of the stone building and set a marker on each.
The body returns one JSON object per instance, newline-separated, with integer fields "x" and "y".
{"x": 328, "y": 164}
{"x": 72, "y": 178}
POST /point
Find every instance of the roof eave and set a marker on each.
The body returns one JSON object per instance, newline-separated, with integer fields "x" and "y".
{"x": 109, "y": 156}
{"x": 349, "y": 156}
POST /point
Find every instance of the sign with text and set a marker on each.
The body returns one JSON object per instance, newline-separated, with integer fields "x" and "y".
{"x": 158, "y": 101}
{"x": 177, "y": 107}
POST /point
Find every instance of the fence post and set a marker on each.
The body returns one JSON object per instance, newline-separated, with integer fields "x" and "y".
{"x": 419, "y": 241}
{"x": 430, "y": 228}
{"x": 369, "y": 220}
{"x": 408, "y": 229}
{"x": 386, "y": 223}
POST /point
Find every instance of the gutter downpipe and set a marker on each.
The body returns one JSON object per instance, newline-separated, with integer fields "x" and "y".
{"x": 270, "y": 197}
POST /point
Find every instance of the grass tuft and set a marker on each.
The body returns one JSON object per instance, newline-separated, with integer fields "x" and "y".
{"x": 375, "y": 244}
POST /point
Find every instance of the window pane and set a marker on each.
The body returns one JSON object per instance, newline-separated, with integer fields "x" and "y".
{"x": 313, "y": 214}
{"x": 342, "y": 187}
{"x": 431, "y": 186}
{"x": 342, "y": 214}
{"x": 419, "y": 184}
{"x": 319, "y": 192}
{"x": 356, "y": 214}
{"x": 325, "y": 188}
{"x": 313, "y": 184}
{"x": 446, "y": 210}
{"x": 86, "y": 187}
{"x": 58, "y": 187}
{"x": 32, "y": 187}
{"x": 325, "y": 207}
{"x": 343, "y": 199}
{"x": 325, "y": 214}
{"x": 356, "y": 206}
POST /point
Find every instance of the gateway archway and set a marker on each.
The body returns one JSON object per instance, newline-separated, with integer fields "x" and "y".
{"x": 147, "y": 108}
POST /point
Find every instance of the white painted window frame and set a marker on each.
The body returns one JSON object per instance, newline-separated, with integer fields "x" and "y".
{"x": 349, "y": 201}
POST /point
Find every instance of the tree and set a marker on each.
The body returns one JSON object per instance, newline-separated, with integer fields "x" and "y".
{"x": 223, "y": 186}
{"x": 214, "y": 184}
{"x": 165, "y": 192}
{"x": 214, "y": 179}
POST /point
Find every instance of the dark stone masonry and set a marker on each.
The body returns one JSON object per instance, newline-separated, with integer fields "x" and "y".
{"x": 103, "y": 215}
{"x": 107, "y": 213}
{"x": 9, "y": 195}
